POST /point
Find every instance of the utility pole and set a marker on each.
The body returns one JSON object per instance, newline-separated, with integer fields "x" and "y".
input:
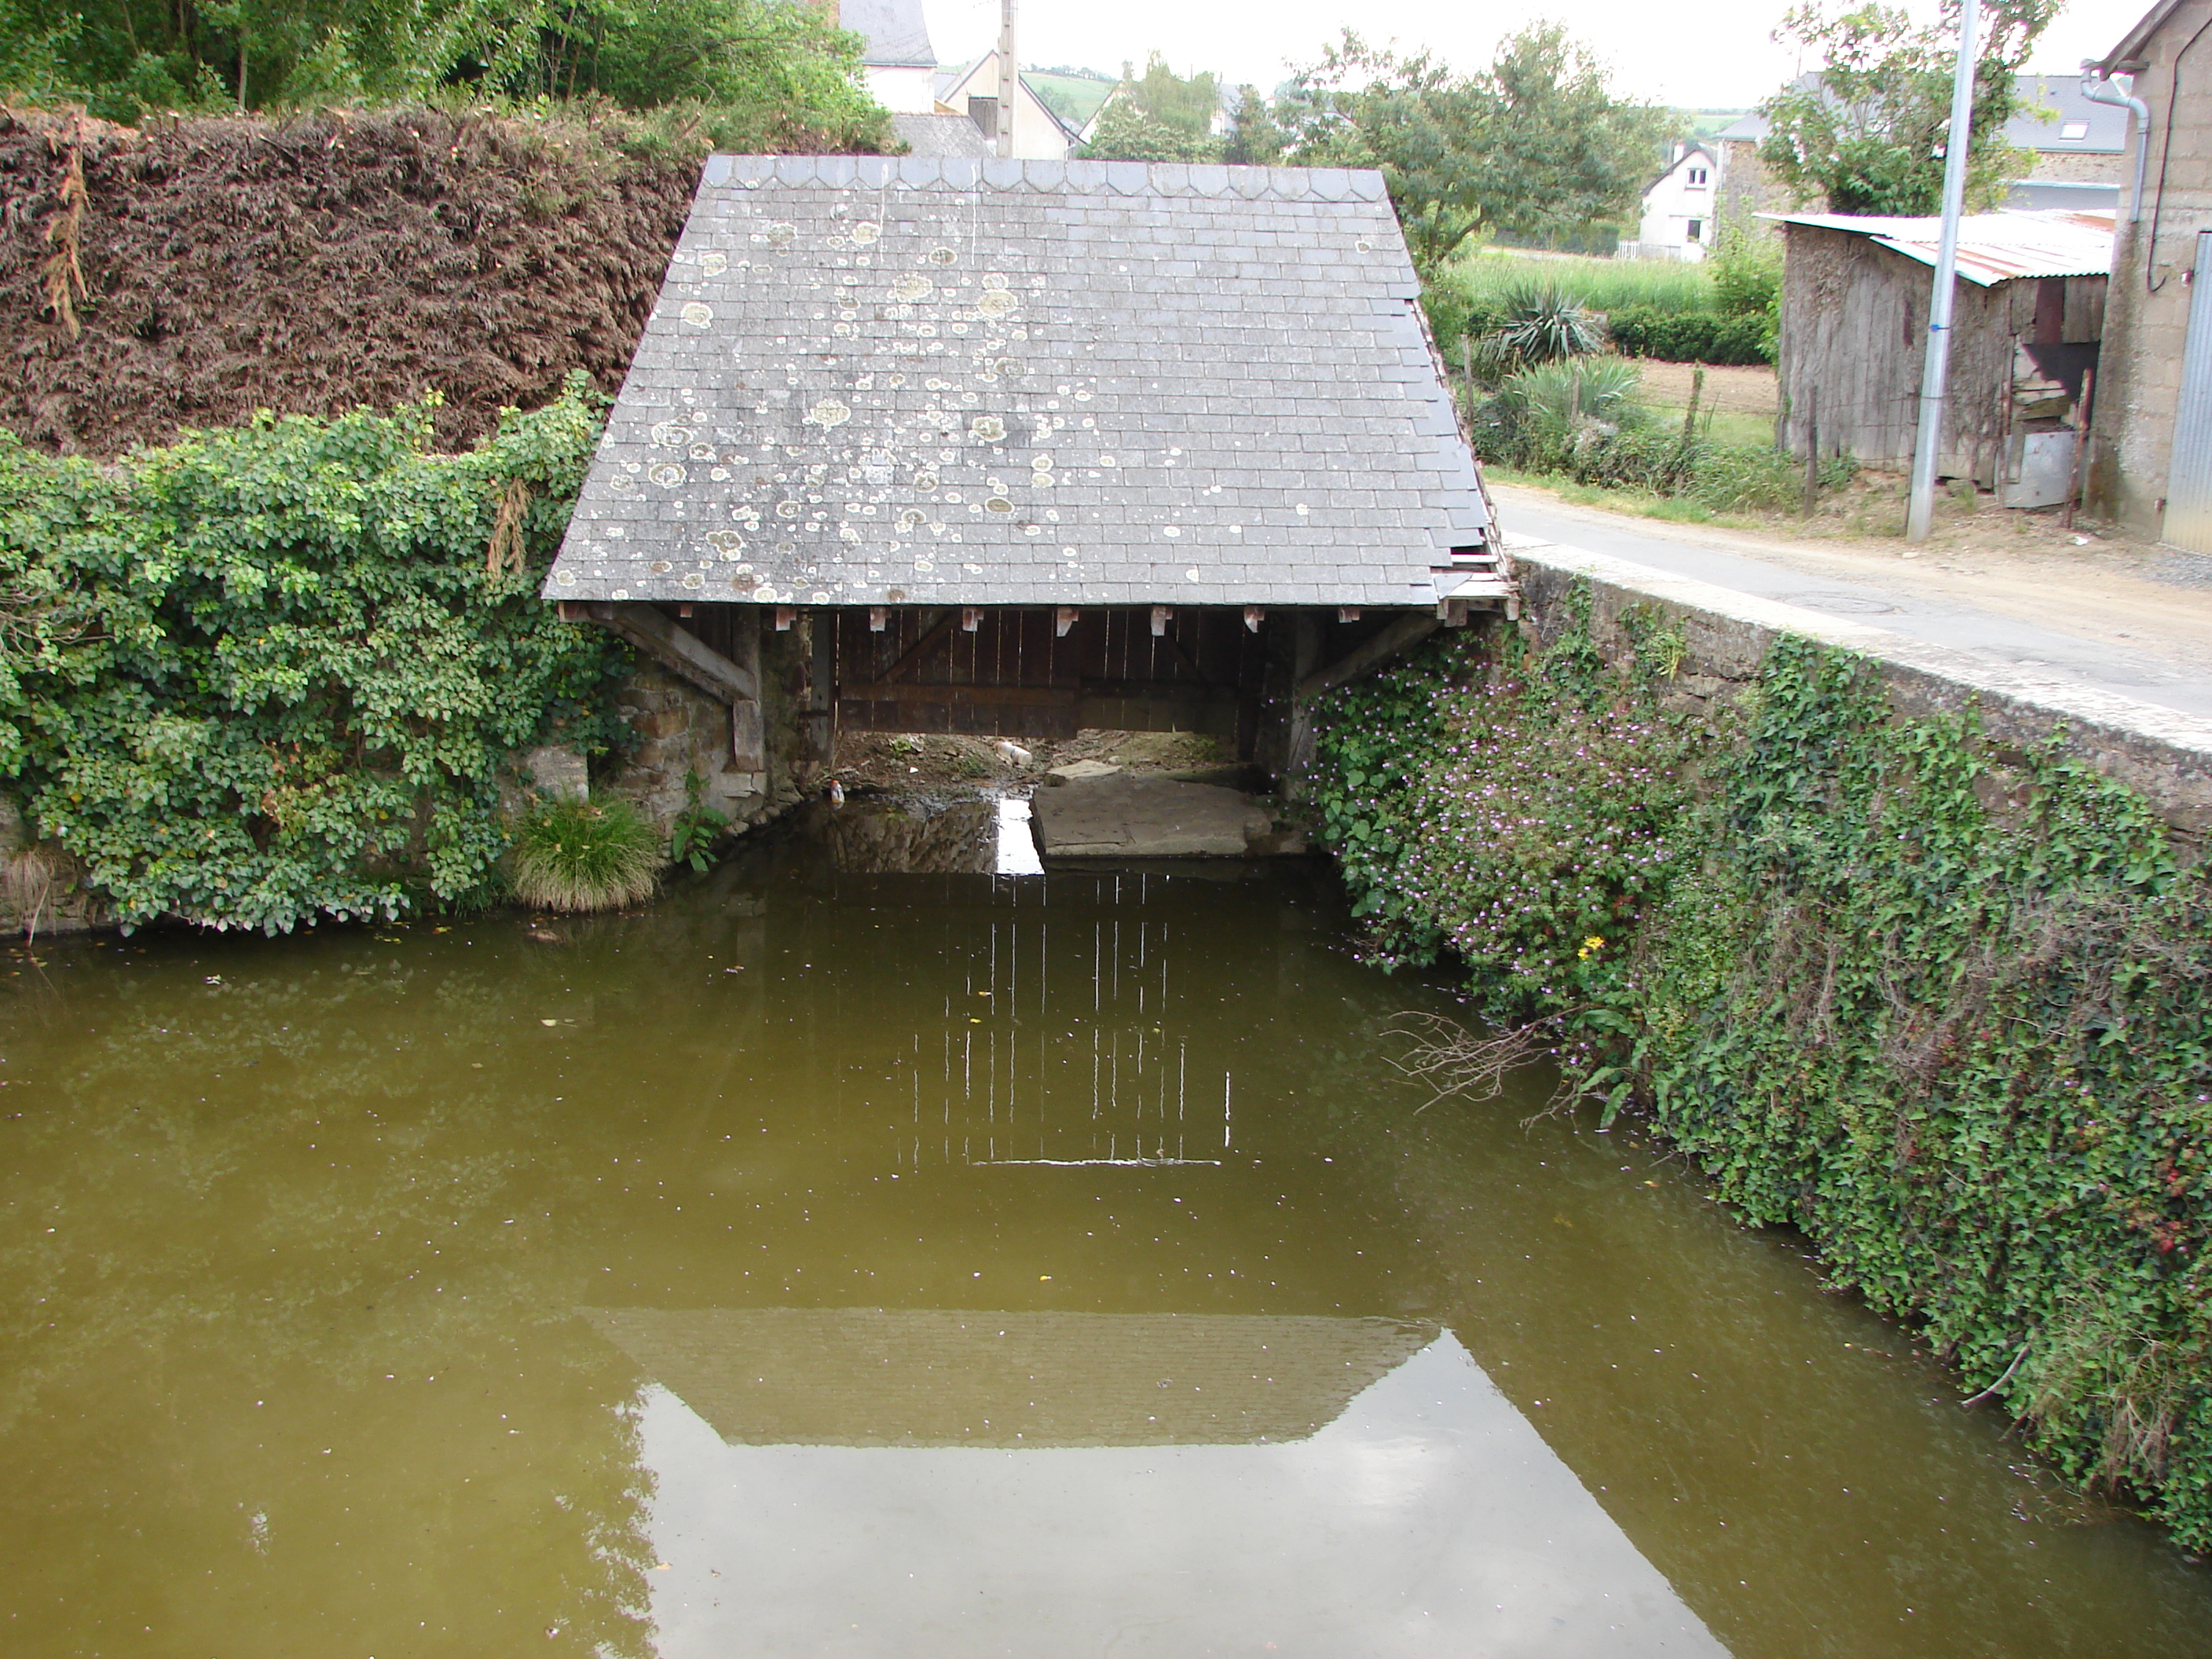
{"x": 1010, "y": 79}
{"x": 1935, "y": 372}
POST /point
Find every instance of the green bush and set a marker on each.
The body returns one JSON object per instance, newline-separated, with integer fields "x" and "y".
{"x": 584, "y": 855}
{"x": 267, "y": 674}
{"x": 1953, "y": 1032}
{"x": 1747, "y": 275}
{"x": 1689, "y": 336}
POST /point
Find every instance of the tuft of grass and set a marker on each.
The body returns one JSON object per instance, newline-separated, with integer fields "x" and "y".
{"x": 585, "y": 855}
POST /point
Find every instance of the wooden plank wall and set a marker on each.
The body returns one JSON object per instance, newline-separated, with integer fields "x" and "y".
{"x": 1015, "y": 676}
{"x": 1854, "y": 332}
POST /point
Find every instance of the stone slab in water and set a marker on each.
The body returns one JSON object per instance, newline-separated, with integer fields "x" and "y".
{"x": 1076, "y": 771}
{"x": 1125, "y": 817}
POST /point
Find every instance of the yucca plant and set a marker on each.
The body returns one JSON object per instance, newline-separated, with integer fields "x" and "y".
{"x": 585, "y": 855}
{"x": 1562, "y": 397}
{"x": 1543, "y": 324}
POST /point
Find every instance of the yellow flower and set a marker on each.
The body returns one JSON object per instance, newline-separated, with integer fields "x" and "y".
{"x": 1592, "y": 944}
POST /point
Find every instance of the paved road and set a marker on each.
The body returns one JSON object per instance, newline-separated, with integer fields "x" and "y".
{"x": 2186, "y": 687}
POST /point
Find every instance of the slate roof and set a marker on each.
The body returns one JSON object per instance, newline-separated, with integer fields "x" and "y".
{"x": 943, "y": 135}
{"x": 913, "y": 380}
{"x": 2047, "y": 105}
{"x": 876, "y": 1377}
{"x": 896, "y": 33}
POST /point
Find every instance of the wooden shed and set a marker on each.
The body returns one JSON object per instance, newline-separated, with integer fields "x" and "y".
{"x": 2029, "y": 311}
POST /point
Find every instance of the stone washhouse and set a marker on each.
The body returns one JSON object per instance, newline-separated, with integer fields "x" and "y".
{"x": 1017, "y": 447}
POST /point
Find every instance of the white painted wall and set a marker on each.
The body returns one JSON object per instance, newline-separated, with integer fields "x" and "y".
{"x": 1678, "y": 211}
{"x": 1037, "y": 136}
{"x": 904, "y": 89}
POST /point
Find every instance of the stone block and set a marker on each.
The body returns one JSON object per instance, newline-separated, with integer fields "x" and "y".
{"x": 1125, "y": 817}
{"x": 557, "y": 771}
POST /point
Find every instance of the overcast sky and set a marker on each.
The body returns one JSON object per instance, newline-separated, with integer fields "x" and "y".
{"x": 1717, "y": 56}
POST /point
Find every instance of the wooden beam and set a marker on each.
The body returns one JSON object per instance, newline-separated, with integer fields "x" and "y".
{"x": 1254, "y": 615}
{"x": 1176, "y": 691}
{"x": 1408, "y": 630}
{"x": 785, "y": 616}
{"x": 979, "y": 695}
{"x": 748, "y": 738}
{"x": 680, "y": 650}
{"x": 878, "y": 615}
{"x": 1160, "y": 615}
{"x": 1063, "y": 620}
{"x": 1347, "y": 613}
{"x": 970, "y": 617}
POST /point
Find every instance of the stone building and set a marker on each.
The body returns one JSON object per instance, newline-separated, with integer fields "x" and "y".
{"x": 1020, "y": 447}
{"x": 2151, "y": 452}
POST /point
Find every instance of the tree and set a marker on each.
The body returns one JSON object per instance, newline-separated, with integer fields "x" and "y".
{"x": 774, "y": 71}
{"x": 1536, "y": 143}
{"x": 1255, "y": 138}
{"x": 1159, "y": 115}
{"x": 1868, "y": 133}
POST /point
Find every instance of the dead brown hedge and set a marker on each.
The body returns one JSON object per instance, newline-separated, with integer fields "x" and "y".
{"x": 313, "y": 265}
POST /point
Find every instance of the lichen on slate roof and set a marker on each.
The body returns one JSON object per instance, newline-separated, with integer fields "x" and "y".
{"x": 924, "y": 381}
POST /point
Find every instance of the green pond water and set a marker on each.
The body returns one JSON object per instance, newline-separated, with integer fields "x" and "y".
{"x": 835, "y": 1262}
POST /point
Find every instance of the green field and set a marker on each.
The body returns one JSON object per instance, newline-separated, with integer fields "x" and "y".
{"x": 1600, "y": 284}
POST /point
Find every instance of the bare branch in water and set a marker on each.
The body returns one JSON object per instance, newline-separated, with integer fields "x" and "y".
{"x": 1447, "y": 1058}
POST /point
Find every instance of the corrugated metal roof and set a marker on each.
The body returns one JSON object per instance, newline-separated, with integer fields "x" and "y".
{"x": 1993, "y": 247}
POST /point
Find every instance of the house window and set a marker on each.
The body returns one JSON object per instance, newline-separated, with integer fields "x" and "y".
{"x": 1697, "y": 175}
{"x": 1696, "y": 230}
{"x": 2074, "y": 130}
{"x": 984, "y": 113}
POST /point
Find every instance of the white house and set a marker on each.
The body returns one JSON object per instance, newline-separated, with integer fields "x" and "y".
{"x": 899, "y": 63}
{"x": 1677, "y": 208}
{"x": 1039, "y": 135}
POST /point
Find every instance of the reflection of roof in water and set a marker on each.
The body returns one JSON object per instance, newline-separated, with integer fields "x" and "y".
{"x": 861, "y": 1377}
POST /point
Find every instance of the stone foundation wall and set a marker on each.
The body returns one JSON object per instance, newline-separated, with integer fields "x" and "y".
{"x": 2163, "y": 754}
{"x": 39, "y": 885}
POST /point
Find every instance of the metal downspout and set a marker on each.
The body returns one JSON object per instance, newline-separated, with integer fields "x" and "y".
{"x": 2117, "y": 91}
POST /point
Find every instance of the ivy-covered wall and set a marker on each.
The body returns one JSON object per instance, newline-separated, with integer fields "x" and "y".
{"x": 1939, "y": 1004}
{"x": 276, "y": 671}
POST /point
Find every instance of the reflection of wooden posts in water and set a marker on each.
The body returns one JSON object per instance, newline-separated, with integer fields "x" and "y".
{"x": 1113, "y": 1084}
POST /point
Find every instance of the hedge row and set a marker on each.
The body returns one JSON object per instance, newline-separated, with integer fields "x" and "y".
{"x": 1690, "y": 337}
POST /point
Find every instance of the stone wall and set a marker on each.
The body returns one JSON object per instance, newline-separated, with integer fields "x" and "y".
{"x": 2147, "y": 317}
{"x": 38, "y": 890}
{"x": 682, "y": 731}
{"x": 2164, "y": 756}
